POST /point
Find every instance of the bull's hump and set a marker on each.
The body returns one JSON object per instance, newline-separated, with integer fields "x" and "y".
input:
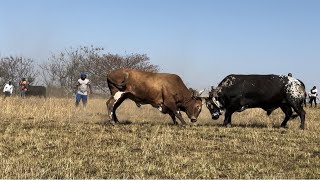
{"x": 229, "y": 81}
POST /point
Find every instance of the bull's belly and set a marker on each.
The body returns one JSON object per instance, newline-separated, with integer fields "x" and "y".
{"x": 159, "y": 106}
{"x": 267, "y": 106}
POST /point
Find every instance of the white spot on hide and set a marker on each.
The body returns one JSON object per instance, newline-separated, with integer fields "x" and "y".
{"x": 227, "y": 83}
{"x": 118, "y": 95}
{"x": 217, "y": 103}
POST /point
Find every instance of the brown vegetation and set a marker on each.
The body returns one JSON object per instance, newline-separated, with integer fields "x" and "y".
{"x": 52, "y": 139}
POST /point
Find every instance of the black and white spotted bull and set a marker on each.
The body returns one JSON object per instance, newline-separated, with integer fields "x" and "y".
{"x": 167, "y": 92}
{"x": 235, "y": 93}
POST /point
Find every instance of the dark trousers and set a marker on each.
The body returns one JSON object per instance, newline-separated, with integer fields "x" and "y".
{"x": 305, "y": 102}
{"x": 313, "y": 99}
{"x": 6, "y": 94}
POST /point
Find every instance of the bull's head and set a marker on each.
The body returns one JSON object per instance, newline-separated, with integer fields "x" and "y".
{"x": 214, "y": 106}
{"x": 194, "y": 106}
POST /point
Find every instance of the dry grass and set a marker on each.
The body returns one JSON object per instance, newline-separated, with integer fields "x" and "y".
{"x": 53, "y": 139}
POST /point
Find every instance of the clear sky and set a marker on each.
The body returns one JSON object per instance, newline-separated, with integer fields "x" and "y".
{"x": 200, "y": 40}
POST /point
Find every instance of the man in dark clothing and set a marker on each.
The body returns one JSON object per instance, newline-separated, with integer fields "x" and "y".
{"x": 313, "y": 96}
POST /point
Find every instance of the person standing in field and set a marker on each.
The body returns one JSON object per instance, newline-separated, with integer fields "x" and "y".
{"x": 24, "y": 87}
{"x": 8, "y": 89}
{"x": 83, "y": 88}
{"x": 313, "y": 96}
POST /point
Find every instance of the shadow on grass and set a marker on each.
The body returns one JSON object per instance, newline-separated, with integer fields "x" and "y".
{"x": 170, "y": 124}
{"x": 110, "y": 123}
{"x": 241, "y": 125}
{"x": 141, "y": 123}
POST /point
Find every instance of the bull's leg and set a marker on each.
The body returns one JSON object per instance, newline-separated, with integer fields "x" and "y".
{"x": 300, "y": 111}
{"x": 173, "y": 108}
{"x": 110, "y": 104}
{"x": 113, "y": 103}
{"x": 173, "y": 117}
{"x": 115, "y": 107}
{"x": 227, "y": 117}
{"x": 179, "y": 116}
{"x": 288, "y": 113}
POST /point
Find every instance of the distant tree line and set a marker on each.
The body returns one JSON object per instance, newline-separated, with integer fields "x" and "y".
{"x": 60, "y": 72}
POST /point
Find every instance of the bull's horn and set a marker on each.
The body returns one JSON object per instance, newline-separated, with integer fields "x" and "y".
{"x": 201, "y": 91}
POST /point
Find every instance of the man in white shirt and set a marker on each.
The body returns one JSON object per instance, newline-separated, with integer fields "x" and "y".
{"x": 313, "y": 96}
{"x": 83, "y": 86}
{"x": 8, "y": 89}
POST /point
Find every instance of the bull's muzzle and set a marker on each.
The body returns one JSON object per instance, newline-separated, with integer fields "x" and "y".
{"x": 215, "y": 116}
{"x": 193, "y": 119}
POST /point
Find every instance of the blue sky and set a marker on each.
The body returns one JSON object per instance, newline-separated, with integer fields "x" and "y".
{"x": 200, "y": 40}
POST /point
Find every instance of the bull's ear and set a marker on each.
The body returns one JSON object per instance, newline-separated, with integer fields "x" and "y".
{"x": 194, "y": 93}
{"x": 215, "y": 93}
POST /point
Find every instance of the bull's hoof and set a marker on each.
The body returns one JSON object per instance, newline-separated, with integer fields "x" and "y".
{"x": 227, "y": 125}
{"x": 301, "y": 127}
{"x": 284, "y": 126}
{"x": 112, "y": 122}
{"x": 184, "y": 126}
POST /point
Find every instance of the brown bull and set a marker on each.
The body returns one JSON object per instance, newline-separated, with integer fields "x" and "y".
{"x": 167, "y": 92}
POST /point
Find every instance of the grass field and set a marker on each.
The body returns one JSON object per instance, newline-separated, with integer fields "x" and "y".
{"x": 52, "y": 139}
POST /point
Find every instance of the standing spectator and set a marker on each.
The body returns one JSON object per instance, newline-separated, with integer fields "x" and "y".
{"x": 83, "y": 87}
{"x": 290, "y": 74}
{"x": 313, "y": 96}
{"x": 24, "y": 87}
{"x": 8, "y": 89}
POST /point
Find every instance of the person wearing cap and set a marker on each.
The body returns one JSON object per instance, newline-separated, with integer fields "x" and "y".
{"x": 290, "y": 74}
{"x": 83, "y": 87}
{"x": 8, "y": 89}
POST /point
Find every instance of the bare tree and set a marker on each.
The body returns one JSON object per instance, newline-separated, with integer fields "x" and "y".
{"x": 64, "y": 69}
{"x": 15, "y": 68}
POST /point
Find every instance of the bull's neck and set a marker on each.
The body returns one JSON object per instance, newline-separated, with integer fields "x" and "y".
{"x": 187, "y": 99}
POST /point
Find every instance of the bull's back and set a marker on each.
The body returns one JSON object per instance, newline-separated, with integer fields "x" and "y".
{"x": 148, "y": 85}
{"x": 260, "y": 87}
{"x": 155, "y": 82}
